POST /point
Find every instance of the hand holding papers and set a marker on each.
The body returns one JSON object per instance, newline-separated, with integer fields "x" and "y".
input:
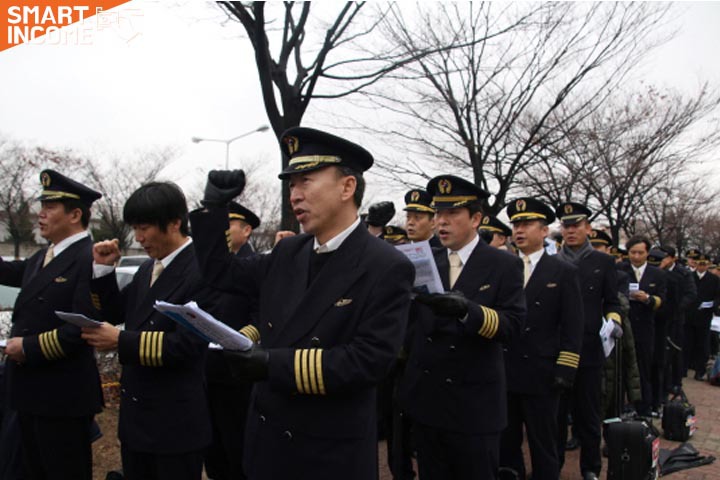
{"x": 78, "y": 319}
{"x": 204, "y": 325}
{"x": 608, "y": 342}
{"x": 427, "y": 277}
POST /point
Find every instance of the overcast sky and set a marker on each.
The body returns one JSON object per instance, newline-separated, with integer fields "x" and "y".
{"x": 162, "y": 75}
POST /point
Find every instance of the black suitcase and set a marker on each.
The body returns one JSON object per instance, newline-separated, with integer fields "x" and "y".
{"x": 633, "y": 446}
{"x": 678, "y": 421}
{"x": 633, "y": 450}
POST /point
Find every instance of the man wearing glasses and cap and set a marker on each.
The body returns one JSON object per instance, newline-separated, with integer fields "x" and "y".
{"x": 52, "y": 376}
{"x": 599, "y": 288}
{"x": 454, "y": 386}
{"x": 333, "y": 307}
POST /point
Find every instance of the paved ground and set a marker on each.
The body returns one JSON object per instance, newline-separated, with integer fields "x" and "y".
{"x": 706, "y": 399}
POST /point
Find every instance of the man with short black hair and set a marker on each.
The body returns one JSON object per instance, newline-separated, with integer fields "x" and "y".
{"x": 454, "y": 386}
{"x": 599, "y": 287}
{"x": 647, "y": 294}
{"x": 52, "y": 375}
{"x": 164, "y": 423}
{"x": 333, "y": 306}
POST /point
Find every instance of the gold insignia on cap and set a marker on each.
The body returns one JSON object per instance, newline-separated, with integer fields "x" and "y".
{"x": 445, "y": 186}
{"x": 486, "y": 220}
{"x": 388, "y": 230}
{"x": 568, "y": 209}
{"x": 520, "y": 205}
{"x": 415, "y": 196}
{"x": 45, "y": 179}
{"x": 292, "y": 143}
{"x": 593, "y": 234}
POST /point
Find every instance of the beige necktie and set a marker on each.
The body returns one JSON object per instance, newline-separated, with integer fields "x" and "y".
{"x": 157, "y": 270}
{"x": 526, "y": 269}
{"x": 637, "y": 274}
{"x": 455, "y": 267}
{"x": 49, "y": 255}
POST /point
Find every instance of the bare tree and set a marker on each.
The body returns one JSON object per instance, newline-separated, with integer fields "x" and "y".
{"x": 339, "y": 54}
{"x": 116, "y": 180}
{"x": 675, "y": 212}
{"x": 623, "y": 155}
{"x": 20, "y": 167}
{"x": 483, "y": 108}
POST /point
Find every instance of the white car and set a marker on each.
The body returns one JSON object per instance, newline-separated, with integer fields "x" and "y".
{"x": 127, "y": 267}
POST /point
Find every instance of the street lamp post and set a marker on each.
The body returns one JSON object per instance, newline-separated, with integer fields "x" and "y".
{"x": 261, "y": 128}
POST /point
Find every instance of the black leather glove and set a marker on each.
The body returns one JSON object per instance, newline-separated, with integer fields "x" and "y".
{"x": 379, "y": 214}
{"x": 222, "y": 186}
{"x": 450, "y": 304}
{"x": 562, "y": 384}
{"x": 249, "y": 365}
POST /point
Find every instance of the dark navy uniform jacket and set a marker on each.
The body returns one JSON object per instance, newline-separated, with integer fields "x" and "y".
{"x": 163, "y": 407}
{"x": 549, "y": 345}
{"x": 599, "y": 288}
{"x": 330, "y": 342}
{"x": 240, "y": 313}
{"x": 455, "y": 375}
{"x": 642, "y": 316}
{"x": 59, "y": 376}
{"x": 708, "y": 290}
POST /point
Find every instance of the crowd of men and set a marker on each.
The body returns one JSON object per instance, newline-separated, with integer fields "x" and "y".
{"x": 346, "y": 344}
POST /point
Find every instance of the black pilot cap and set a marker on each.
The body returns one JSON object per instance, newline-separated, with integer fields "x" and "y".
{"x": 311, "y": 149}
{"x": 57, "y": 187}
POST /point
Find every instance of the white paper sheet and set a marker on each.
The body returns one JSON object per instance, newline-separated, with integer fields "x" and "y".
{"x": 715, "y": 324}
{"x": 608, "y": 342}
{"x": 77, "y": 319}
{"x": 427, "y": 277}
{"x": 3, "y": 343}
{"x": 204, "y": 325}
{"x": 705, "y": 305}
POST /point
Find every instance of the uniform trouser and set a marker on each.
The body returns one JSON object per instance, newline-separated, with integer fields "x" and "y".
{"x": 644, "y": 354}
{"x": 585, "y": 398}
{"x": 657, "y": 369}
{"x": 675, "y": 369}
{"x": 697, "y": 345}
{"x": 539, "y": 415}
{"x": 153, "y": 466}
{"x": 56, "y": 448}
{"x": 228, "y": 413}
{"x": 446, "y": 455}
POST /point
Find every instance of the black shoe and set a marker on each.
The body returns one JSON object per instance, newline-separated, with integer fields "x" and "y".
{"x": 589, "y": 476}
{"x": 114, "y": 475}
{"x": 699, "y": 376}
{"x": 572, "y": 444}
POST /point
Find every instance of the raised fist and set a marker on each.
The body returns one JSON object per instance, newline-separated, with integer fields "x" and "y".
{"x": 106, "y": 252}
{"x": 379, "y": 214}
{"x": 222, "y": 186}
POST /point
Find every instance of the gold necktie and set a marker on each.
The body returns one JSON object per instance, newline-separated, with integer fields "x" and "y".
{"x": 49, "y": 255}
{"x": 455, "y": 267}
{"x": 637, "y": 274}
{"x": 157, "y": 270}
{"x": 526, "y": 269}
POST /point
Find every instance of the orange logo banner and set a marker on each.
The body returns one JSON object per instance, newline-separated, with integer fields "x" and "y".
{"x": 33, "y": 21}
